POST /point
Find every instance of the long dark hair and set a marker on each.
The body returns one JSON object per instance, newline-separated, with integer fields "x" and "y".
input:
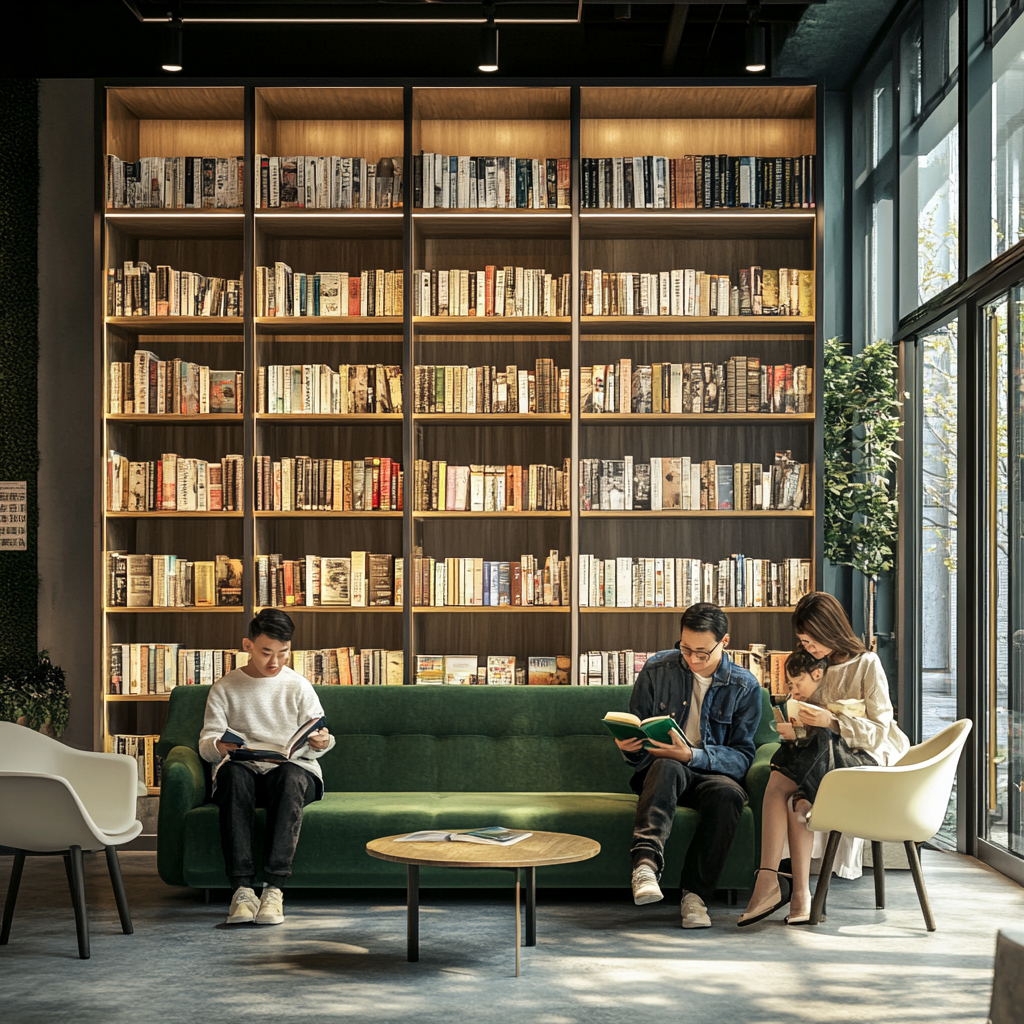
{"x": 821, "y": 617}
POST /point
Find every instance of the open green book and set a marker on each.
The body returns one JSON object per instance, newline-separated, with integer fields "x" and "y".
{"x": 624, "y": 726}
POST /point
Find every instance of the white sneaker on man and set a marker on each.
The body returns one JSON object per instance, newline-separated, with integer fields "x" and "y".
{"x": 244, "y": 905}
{"x": 271, "y": 909}
{"x": 694, "y": 912}
{"x": 645, "y": 886}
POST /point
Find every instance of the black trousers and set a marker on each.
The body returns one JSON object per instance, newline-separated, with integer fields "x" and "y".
{"x": 668, "y": 784}
{"x": 284, "y": 792}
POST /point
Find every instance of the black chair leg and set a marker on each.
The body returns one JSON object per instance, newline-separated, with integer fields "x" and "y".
{"x": 12, "y": 895}
{"x": 824, "y": 877}
{"x": 922, "y": 892}
{"x": 879, "y": 868}
{"x": 114, "y": 867}
{"x": 76, "y": 873}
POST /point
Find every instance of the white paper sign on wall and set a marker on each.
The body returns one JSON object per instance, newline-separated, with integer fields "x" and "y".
{"x": 13, "y": 515}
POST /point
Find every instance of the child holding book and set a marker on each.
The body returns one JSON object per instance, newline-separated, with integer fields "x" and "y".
{"x": 264, "y": 704}
{"x": 830, "y": 665}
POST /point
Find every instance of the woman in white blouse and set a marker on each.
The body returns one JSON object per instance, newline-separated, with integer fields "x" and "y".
{"x": 824, "y": 632}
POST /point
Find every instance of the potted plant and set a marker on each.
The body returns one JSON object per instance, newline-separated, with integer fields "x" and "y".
{"x": 36, "y": 696}
{"x": 862, "y": 427}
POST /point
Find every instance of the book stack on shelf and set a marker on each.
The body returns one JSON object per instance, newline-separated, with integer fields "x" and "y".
{"x": 268, "y": 317}
{"x": 697, "y": 182}
{"x": 620, "y": 668}
{"x": 141, "y": 748}
{"x": 327, "y": 182}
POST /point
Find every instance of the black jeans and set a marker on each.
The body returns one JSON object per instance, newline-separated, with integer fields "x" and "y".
{"x": 668, "y": 784}
{"x": 284, "y": 791}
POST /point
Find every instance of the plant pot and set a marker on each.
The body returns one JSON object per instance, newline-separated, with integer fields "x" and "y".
{"x": 46, "y": 728}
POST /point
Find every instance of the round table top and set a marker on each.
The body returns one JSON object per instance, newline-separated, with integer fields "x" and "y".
{"x": 539, "y": 849}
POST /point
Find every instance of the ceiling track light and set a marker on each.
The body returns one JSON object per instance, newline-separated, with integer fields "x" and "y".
{"x": 489, "y": 41}
{"x": 171, "y": 60}
{"x": 755, "y": 60}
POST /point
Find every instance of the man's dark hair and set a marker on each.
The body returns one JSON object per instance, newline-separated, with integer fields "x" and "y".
{"x": 705, "y": 618}
{"x": 802, "y": 661}
{"x": 274, "y": 623}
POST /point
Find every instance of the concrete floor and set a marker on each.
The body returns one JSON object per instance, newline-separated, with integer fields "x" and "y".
{"x": 341, "y": 956}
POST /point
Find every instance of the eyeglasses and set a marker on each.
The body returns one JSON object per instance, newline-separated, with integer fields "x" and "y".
{"x": 700, "y": 657}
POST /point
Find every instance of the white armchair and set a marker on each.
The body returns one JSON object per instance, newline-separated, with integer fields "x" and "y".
{"x": 905, "y": 802}
{"x": 55, "y": 799}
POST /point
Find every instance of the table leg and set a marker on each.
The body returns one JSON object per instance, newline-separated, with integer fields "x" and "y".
{"x": 413, "y": 912}
{"x": 518, "y": 923}
{"x": 531, "y": 907}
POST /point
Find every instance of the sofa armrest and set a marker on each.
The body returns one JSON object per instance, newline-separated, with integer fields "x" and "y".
{"x": 756, "y": 782}
{"x": 182, "y": 787}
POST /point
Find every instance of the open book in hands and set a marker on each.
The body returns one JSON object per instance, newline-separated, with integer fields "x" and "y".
{"x": 624, "y": 726}
{"x": 271, "y": 751}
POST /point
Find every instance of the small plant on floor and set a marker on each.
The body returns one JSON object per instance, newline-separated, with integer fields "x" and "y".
{"x": 36, "y": 696}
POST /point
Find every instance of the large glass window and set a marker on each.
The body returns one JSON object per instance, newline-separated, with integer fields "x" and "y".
{"x": 1008, "y": 139}
{"x": 939, "y": 510}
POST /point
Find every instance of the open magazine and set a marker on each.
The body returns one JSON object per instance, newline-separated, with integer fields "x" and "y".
{"x": 271, "y": 751}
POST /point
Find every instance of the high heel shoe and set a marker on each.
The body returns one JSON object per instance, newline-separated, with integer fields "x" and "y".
{"x": 768, "y": 906}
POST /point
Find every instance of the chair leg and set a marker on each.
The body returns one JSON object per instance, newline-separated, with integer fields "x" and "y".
{"x": 76, "y": 871}
{"x": 922, "y": 892}
{"x": 879, "y": 868}
{"x": 824, "y": 877}
{"x": 12, "y": 895}
{"x": 114, "y": 867}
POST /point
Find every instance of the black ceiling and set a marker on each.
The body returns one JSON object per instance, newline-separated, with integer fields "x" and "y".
{"x": 103, "y": 38}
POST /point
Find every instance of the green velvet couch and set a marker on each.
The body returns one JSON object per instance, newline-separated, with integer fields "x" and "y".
{"x": 410, "y": 758}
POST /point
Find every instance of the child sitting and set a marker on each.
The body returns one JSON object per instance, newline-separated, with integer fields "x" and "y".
{"x": 265, "y": 703}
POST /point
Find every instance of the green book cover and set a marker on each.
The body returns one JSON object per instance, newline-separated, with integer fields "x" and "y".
{"x": 625, "y": 726}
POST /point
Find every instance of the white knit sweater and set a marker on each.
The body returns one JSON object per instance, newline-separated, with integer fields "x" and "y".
{"x": 265, "y": 710}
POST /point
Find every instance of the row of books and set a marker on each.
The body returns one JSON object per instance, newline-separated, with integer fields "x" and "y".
{"x": 758, "y": 291}
{"x": 440, "y": 486}
{"x": 354, "y": 388}
{"x": 667, "y": 484}
{"x": 697, "y": 182}
{"x": 350, "y": 666}
{"x": 493, "y": 291}
{"x": 739, "y": 385}
{"x": 443, "y": 181}
{"x": 142, "y": 749}
{"x": 281, "y": 291}
{"x": 476, "y": 582}
{"x": 167, "y": 581}
{"x": 620, "y": 668}
{"x": 487, "y": 389}
{"x": 736, "y": 582}
{"x": 149, "y": 385}
{"x": 327, "y": 182}
{"x": 175, "y": 182}
{"x": 139, "y": 290}
{"x": 173, "y": 483}
{"x": 362, "y": 579}
{"x": 140, "y": 668}
{"x": 304, "y": 484}
{"x": 495, "y": 670}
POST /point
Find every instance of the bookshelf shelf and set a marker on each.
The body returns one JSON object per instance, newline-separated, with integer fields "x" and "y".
{"x": 534, "y": 121}
{"x": 210, "y": 325}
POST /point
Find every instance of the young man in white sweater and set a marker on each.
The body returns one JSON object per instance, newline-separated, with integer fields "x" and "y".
{"x": 266, "y": 703}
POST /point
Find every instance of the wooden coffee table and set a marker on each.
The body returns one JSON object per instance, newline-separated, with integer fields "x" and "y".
{"x": 539, "y": 849}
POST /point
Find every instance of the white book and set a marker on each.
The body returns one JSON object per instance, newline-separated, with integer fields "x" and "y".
{"x": 624, "y": 582}
{"x": 655, "y": 484}
{"x": 628, "y": 495}
{"x": 358, "y": 582}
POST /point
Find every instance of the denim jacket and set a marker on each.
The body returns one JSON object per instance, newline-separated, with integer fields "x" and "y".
{"x": 730, "y": 711}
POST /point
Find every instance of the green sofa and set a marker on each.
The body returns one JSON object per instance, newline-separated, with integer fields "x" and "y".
{"x": 410, "y": 758}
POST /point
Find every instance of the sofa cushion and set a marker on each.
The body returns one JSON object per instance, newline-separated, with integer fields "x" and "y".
{"x": 335, "y": 831}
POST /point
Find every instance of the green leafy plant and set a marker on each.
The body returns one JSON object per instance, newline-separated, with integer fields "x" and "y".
{"x": 36, "y": 696}
{"x": 862, "y": 428}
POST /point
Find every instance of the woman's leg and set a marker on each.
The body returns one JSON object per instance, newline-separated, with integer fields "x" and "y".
{"x": 774, "y": 828}
{"x": 801, "y": 843}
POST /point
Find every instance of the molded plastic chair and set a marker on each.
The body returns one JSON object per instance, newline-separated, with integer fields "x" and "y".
{"x": 905, "y": 802}
{"x": 55, "y": 799}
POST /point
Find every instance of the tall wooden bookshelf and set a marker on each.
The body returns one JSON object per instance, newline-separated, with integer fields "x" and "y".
{"x": 374, "y": 120}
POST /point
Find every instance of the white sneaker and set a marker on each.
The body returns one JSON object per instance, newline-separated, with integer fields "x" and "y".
{"x": 244, "y": 905}
{"x": 645, "y": 886}
{"x": 695, "y": 913}
{"x": 271, "y": 909}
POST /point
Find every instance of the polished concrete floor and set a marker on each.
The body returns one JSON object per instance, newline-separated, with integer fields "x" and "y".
{"x": 341, "y": 957}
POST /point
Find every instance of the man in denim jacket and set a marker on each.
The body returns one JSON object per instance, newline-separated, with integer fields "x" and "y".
{"x": 718, "y": 707}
